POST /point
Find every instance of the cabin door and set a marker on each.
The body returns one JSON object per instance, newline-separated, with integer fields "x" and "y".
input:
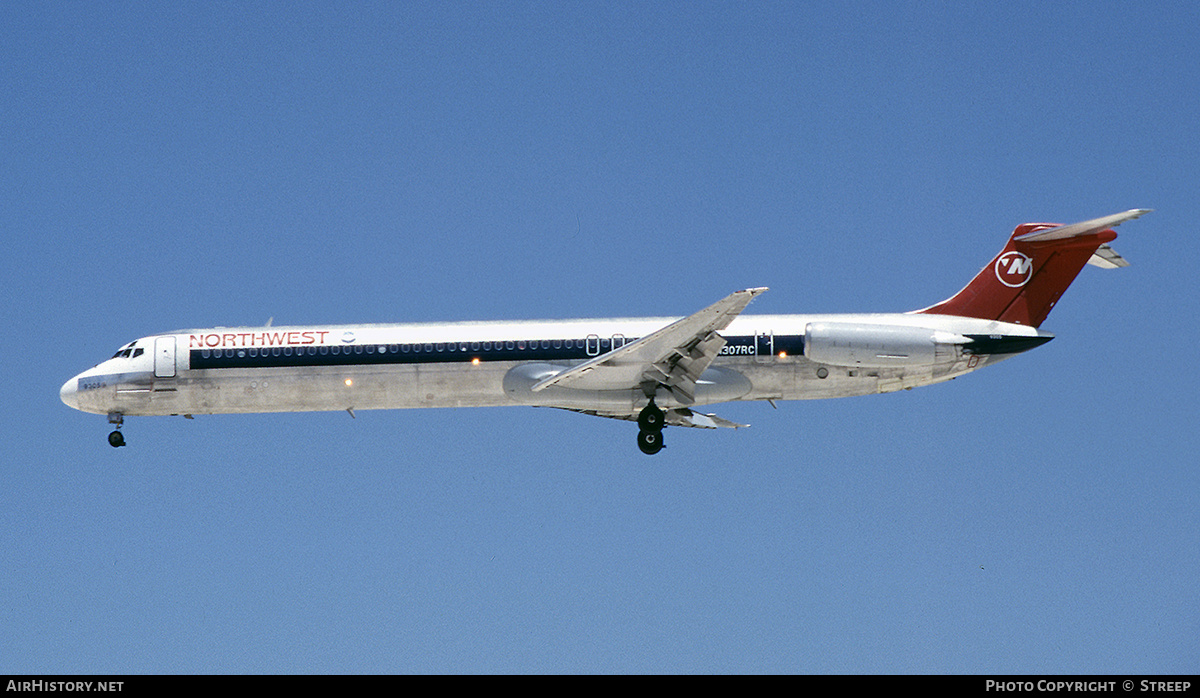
{"x": 164, "y": 357}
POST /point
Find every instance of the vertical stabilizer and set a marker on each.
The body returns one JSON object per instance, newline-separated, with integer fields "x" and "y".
{"x": 1023, "y": 282}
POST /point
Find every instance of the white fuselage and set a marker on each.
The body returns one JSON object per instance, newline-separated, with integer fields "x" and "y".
{"x": 361, "y": 367}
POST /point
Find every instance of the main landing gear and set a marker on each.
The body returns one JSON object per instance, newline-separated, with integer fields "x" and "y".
{"x": 116, "y": 439}
{"x": 651, "y": 421}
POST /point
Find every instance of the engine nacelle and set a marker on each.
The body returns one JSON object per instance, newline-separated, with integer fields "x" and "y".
{"x": 879, "y": 346}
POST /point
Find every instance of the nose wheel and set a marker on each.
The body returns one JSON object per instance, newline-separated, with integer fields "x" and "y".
{"x": 116, "y": 439}
{"x": 651, "y": 421}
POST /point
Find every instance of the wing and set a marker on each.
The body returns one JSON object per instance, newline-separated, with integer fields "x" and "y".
{"x": 673, "y": 357}
{"x": 678, "y": 417}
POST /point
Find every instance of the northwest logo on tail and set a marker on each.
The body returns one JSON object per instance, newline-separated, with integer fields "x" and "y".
{"x": 1014, "y": 269}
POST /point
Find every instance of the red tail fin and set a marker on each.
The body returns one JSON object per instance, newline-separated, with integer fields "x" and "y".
{"x": 1023, "y": 282}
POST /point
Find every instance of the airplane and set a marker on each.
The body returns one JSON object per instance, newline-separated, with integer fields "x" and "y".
{"x": 653, "y": 371}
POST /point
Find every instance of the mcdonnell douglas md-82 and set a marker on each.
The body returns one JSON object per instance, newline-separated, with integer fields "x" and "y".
{"x": 654, "y": 371}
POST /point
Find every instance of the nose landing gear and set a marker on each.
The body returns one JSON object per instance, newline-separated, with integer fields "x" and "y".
{"x": 116, "y": 439}
{"x": 651, "y": 421}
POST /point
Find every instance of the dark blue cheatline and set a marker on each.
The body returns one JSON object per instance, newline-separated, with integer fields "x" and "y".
{"x": 442, "y": 352}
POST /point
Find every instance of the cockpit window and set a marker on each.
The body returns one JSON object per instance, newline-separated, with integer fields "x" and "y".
{"x": 129, "y": 351}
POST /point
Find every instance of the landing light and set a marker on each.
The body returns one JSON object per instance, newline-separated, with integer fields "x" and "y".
{"x": 475, "y": 361}
{"x": 349, "y": 382}
{"x": 783, "y": 354}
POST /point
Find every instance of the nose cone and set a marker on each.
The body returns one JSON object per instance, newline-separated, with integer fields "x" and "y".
{"x": 69, "y": 393}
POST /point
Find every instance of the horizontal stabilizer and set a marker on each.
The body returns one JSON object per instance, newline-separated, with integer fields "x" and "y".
{"x": 1106, "y": 257}
{"x": 1085, "y": 228}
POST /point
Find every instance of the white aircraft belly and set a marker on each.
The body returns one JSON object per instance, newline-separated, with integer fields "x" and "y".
{"x": 217, "y": 391}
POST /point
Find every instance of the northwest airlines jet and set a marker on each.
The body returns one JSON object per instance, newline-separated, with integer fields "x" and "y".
{"x": 654, "y": 371}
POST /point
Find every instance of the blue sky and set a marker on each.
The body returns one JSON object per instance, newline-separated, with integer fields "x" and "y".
{"x": 199, "y": 164}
